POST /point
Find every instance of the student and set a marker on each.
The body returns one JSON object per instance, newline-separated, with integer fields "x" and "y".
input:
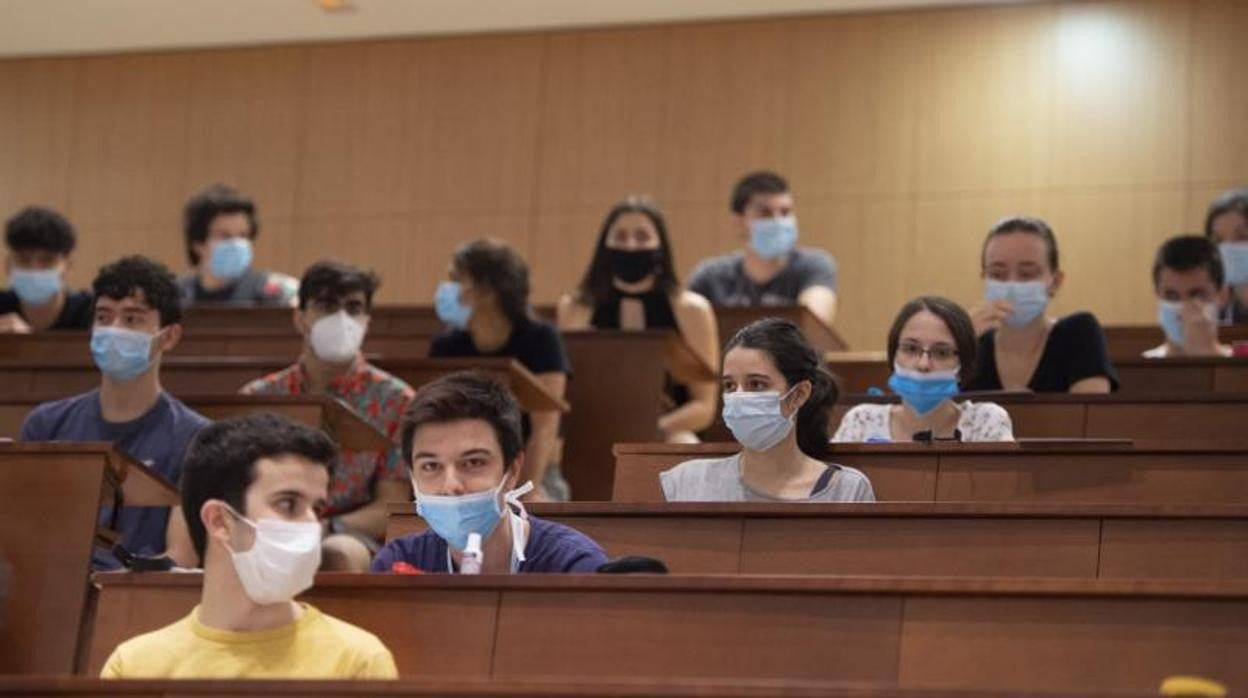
{"x": 462, "y": 439}
{"x": 1020, "y": 347}
{"x": 250, "y": 491}
{"x": 770, "y": 270}
{"x": 777, "y": 400}
{"x": 137, "y": 320}
{"x": 40, "y": 243}
{"x": 485, "y": 303}
{"x": 1226, "y": 223}
{"x": 1191, "y": 289}
{"x": 335, "y": 300}
{"x": 631, "y": 285}
{"x": 931, "y": 348}
{"x": 221, "y": 226}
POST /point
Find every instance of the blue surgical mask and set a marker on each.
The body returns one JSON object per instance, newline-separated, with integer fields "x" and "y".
{"x": 454, "y": 517}
{"x": 448, "y": 306}
{"x": 121, "y": 354}
{"x": 231, "y": 258}
{"x": 773, "y": 238}
{"x": 35, "y": 286}
{"x": 756, "y": 419}
{"x": 1170, "y": 317}
{"x": 1235, "y": 260}
{"x": 923, "y": 392}
{"x": 1030, "y": 298}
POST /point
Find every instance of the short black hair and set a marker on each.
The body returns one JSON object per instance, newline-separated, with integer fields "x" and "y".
{"x": 38, "y": 228}
{"x": 333, "y": 279}
{"x": 466, "y": 395}
{"x": 123, "y": 278}
{"x": 207, "y": 205}
{"x": 1234, "y": 200}
{"x": 495, "y": 265}
{"x": 754, "y": 183}
{"x": 955, "y": 318}
{"x": 220, "y": 462}
{"x": 1024, "y": 224}
{"x": 1187, "y": 252}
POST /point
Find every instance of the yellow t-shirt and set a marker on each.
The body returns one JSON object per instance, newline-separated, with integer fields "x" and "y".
{"x": 315, "y": 646}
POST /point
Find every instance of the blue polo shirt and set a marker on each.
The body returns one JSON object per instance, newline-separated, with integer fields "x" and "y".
{"x": 551, "y": 548}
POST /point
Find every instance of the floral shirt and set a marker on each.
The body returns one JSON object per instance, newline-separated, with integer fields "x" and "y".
{"x": 378, "y": 397}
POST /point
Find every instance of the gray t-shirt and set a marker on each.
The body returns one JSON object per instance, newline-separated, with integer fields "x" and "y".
{"x": 254, "y": 288}
{"x": 722, "y": 280}
{"x": 719, "y": 480}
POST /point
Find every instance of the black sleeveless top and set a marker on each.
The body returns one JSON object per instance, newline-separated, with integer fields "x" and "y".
{"x": 657, "y": 309}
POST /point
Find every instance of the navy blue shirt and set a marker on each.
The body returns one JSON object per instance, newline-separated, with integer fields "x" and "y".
{"x": 159, "y": 439}
{"x": 551, "y": 548}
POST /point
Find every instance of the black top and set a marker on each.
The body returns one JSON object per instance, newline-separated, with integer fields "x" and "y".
{"x": 534, "y": 343}
{"x": 657, "y": 307}
{"x": 75, "y": 314}
{"x": 1075, "y": 350}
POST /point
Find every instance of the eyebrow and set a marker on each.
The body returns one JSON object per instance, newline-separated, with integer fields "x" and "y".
{"x": 475, "y": 452}
{"x": 288, "y": 493}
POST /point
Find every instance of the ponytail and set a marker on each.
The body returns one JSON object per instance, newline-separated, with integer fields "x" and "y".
{"x": 815, "y": 415}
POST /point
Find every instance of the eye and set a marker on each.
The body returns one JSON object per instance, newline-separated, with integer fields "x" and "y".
{"x": 428, "y": 466}
{"x": 756, "y": 385}
{"x": 285, "y": 505}
{"x": 475, "y": 463}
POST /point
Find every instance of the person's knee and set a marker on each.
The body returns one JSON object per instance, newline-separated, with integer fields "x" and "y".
{"x": 343, "y": 553}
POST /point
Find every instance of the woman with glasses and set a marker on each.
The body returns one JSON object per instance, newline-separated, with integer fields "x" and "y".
{"x": 932, "y": 350}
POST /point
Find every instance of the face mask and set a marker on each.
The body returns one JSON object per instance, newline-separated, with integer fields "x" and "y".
{"x": 756, "y": 420}
{"x": 631, "y": 266}
{"x": 35, "y": 286}
{"x": 448, "y": 306}
{"x": 121, "y": 354}
{"x": 282, "y": 561}
{"x": 923, "y": 392}
{"x": 1170, "y": 317}
{"x": 773, "y": 238}
{"x": 336, "y": 338}
{"x": 1030, "y": 298}
{"x": 1235, "y": 260}
{"x": 453, "y": 518}
{"x": 231, "y": 258}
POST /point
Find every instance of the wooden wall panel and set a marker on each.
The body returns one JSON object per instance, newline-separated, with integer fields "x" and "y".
{"x": 36, "y": 131}
{"x": 1219, "y": 105}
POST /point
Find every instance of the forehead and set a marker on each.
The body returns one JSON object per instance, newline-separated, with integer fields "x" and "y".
{"x": 1016, "y": 247}
{"x": 454, "y": 438}
{"x": 634, "y": 220}
{"x": 1196, "y": 277}
{"x": 230, "y": 222}
{"x": 329, "y": 294}
{"x": 771, "y": 201}
{"x": 137, "y": 300}
{"x": 290, "y": 472}
{"x": 926, "y": 326}
{"x": 742, "y": 361}
{"x": 1229, "y": 221}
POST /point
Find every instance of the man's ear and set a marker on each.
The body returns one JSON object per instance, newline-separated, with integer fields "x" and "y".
{"x": 213, "y": 516}
{"x": 1224, "y": 296}
{"x": 1058, "y": 278}
{"x": 170, "y": 337}
{"x": 201, "y": 251}
{"x": 301, "y": 325}
{"x": 512, "y": 477}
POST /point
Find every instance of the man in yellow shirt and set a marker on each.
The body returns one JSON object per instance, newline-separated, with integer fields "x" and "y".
{"x": 251, "y": 487}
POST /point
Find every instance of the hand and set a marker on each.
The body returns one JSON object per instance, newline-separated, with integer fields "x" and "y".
{"x": 12, "y": 323}
{"x": 990, "y": 315}
{"x": 1200, "y": 334}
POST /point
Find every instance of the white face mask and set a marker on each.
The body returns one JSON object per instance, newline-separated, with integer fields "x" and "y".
{"x": 337, "y": 338}
{"x": 756, "y": 420}
{"x": 282, "y": 561}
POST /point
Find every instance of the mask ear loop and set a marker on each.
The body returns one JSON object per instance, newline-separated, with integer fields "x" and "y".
{"x": 238, "y": 517}
{"x": 513, "y": 498}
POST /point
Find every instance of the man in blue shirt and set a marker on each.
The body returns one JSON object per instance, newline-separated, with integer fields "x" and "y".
{"x": 137, "y": 319}
{"x": 461, "y": 436}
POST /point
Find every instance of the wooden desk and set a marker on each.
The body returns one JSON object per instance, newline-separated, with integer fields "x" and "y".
{"x": 273, "y": 343}
{"x": 887, "y": 538}
{"x": 820, "y": 336}
{"x": 225, "y": 376}
{"x": 50, "y": 498}
{"x": 1130, "y": 341}
{"x": 1038, "y": 472}
{"x": 337, "y": 419}
{"x": 914, "y": 632}
{"x": 385, "y": 319}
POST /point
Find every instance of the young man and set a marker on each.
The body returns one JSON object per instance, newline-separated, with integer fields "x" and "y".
{"x": 40, "y": 243}
{"x": 771, "y": 270}
{"x": 1191, "y": 290}
{"x": 250, "y": 492}
{"x": 221, "y": 226}
{"x": 334, "y": 304}
{"x": 136, "y": 321}
{"x": 463, "y": 441}
{"x": 1226, "y": 224}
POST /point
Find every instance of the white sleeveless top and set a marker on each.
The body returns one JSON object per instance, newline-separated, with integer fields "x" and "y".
{"x": 980, "y": 421}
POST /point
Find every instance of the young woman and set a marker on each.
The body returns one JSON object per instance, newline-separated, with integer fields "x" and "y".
{"x": 932, "y": 350}
{"x": 631, "y": 285}
{"x": 1226, "y": 223}
{"x": 1020, "y": 347}
{"x": 777, "y": 399}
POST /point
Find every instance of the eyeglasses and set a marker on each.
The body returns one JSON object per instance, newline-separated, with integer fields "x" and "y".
{"x": 939, "y": 353}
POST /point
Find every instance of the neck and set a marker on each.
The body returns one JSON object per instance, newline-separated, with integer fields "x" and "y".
{"x": 207, "y": 281}
{"x": 490, "y": 330}
{"x": 782, "y": 461}
{"x": 940, "y": 421}
{"x": 321, "y": 373}
{"x": 42, "y": 317}
{"x": 644, "y": 286}
{"x": 496, "y": 550}
{"x": 1028, "y": 336}
{"x": 225, "y": 606}
{"x": 125, "y": 402}
{"x": 761, "y": 270}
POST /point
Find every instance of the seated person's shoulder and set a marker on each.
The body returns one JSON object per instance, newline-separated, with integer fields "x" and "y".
{"x": 851, "y": 485}
{"x": 687, "y": 480}
{"x": 717, "y": 266}
{"x": 48, "y": 420}
{"x": 152, "y": 655}
{"x": 424, "y": 551}
{"x": 690, "y": 301}
{"x": 561, "y": 548}
{"x": 816, "y": 256}
{"x": 863, "y": 421}
{"x": 358, "y": 642}
{"x": 1077, "y": 324}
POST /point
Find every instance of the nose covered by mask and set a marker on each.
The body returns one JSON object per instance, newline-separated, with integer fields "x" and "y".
{"x": 1235, "y": 260}
{"x": 1170, "y": 317}
{"x": 923, "y": 392}
{"x": 632, "y": 266}
{"x": 773, "y": 238}
{"x": 453, "y": 517}
{"x": 35, "y": 286}
{"x": 337, "y": 338}
{"x": 449, "y": 308}
{"x": 282, "y": 562}
{"x": 231, "y": 258}
{"x": 757, "y": 420}
{"x": 1030, "y": 298}
{"x": 121, "y": 354}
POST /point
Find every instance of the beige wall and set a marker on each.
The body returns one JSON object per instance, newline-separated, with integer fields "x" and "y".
{"x": 904, "y": 134}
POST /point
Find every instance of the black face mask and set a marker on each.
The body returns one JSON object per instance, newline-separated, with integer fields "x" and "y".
{"x": 631, "y": 266}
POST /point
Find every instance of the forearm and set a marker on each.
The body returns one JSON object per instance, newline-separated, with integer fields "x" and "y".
{"x": 696, "y": 415}
{"x": 541, "y": 446}
{"x": 369, "y": 519}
